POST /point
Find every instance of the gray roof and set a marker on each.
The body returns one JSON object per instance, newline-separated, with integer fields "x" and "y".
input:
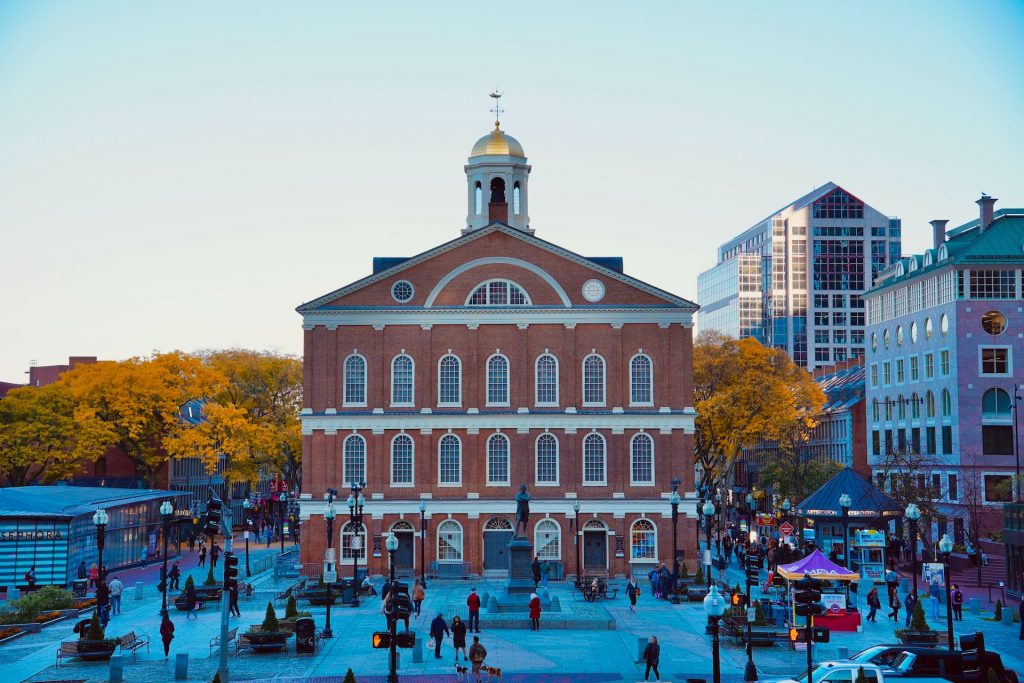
{"x": 70, "y": 501}
{"x": 868, "y": 501}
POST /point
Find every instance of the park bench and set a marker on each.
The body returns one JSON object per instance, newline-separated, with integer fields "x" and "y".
{"x": 132, "y": 643}
{"x": 286, "y": 593}
{"x": 67, "y": 650}
{"x": 215, "y": 641}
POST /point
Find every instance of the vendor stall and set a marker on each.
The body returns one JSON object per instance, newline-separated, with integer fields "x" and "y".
{"x": 837, "y": 617}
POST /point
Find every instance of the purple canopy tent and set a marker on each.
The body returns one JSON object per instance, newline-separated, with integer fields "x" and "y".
{"x": 817, "y": 566}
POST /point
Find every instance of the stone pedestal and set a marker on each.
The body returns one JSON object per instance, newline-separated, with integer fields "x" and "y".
{"x": 516, "y": 596}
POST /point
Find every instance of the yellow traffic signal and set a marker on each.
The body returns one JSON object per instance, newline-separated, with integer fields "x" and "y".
{"x": 735, "y": 598}
{"x": 792, "y": 634}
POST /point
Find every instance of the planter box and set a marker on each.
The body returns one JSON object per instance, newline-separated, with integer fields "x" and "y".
{"x": 267, "y": 642}
{"x": 927, "y": 638}
{"x": 96, "y": 650}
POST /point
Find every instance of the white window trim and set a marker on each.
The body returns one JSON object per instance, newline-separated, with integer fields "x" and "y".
{"x": 439, "y": 482}
{"x": 487, "y": 382}
{"x": 634, "y": 482}
{"x": 604, "y": 381}
{"x": 1009, "y": 361}
{"x": 536, "y": 461}
{"x": 529, "y": 301}
{"x": 583, "y": 461}
{"x": 437, "y": 541}
{"x": 344, "y": 466}
{"x": 363, "y": 540}
{"x": 559, "y": 527}
{"x": 456, "y": 404}
{"x": 403, "y": 404}
{"x": 345, "y": 403}
{"x": 630, "y": 557}
{"x": 984, "y": 486}
{"x": 391, "y": 462}
{"x": 536, "y": 381}
{"x": 949, "y": 369}
{"x": 650, "y": 378}
{"x": 508, "y": 463}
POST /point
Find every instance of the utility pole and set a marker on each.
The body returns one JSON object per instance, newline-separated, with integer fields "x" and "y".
{"x": 225, "y": 597}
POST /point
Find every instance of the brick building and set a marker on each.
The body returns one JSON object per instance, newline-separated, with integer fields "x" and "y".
{"x": 492, "y": 360}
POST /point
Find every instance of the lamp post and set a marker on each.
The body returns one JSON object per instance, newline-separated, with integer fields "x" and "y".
{"x": 392, "y": 545}
{"x": 700, "y": 524}
{"x": 1017, "y": 483}
{"x": 356, "y": 501}
{"x": 282, "y": 501}
{"x": 785, "y": 513}
{"x": 423, "y": 543}
{"x": 674, "y": 502}
{"x": 913, "y": 513}
{"x": 750, "y": 671}
{"x": 946, "y": 547}
{"x": 166, "y": 510}
{"x": 844, "y": 505}
{"x": 709, "y": 514}
{"x": 100, "y": 519}
{"x": 718, "y": 527}
{"x": 576, "y": 538}
{"x": 329, "y": 516}
{"x": 247, "y": 514}
{"x": 714, "y": 608}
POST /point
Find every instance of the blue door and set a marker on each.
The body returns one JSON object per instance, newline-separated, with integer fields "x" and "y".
{"x": 496, "y": 549}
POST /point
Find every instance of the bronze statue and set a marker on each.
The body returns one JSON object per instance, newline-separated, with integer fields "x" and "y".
{"x": 522, "y": 509}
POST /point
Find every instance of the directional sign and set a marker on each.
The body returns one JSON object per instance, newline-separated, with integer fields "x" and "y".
{"x": 786, "y": 528}
{"x": 330, "y": 577}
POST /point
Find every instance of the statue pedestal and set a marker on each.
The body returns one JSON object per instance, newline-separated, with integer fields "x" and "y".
{"x": 520, "y": 570}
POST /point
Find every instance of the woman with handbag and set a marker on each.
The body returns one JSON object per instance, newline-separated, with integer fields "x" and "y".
{"x": 633, "y": 592}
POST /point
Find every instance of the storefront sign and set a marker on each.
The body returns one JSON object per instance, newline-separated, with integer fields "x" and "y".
{"x": 869, "y": 538}
{"x": 765, "y": 519}
{"x": 48, "y": 535}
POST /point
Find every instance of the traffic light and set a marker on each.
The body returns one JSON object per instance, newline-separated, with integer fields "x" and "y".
{"x": 381, "y": 640}
{"x": 808, "y": 593}
{"x": 820, "y": 634}
{"x": 753, "y": 569}
{"x": 230, "y": 571}
{"x": 211, "y": 524}
{"x": 972, "y": 641}
{"x": 405, "y": 639}
{"x": 737, "y": 599}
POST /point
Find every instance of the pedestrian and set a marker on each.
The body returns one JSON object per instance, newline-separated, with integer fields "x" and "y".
{"x": 202, "y": 555}
{"x": 534, "y": 612}
{"x": 166, "y": 634}
{"x": 30, "y": 578}
{"x": 82, "y": 572}
{"x": 545, "y": 568}
{"x": 652, "y": 653}
{"x": 473, "y": 602}
{"x": 144, "y": 555}
{"x": 190, "y": 600}
{"x": 233, "y": 602}
{"x": 191, "y": 542}
{"x": 459, "y": 638}
{"x": 477, "y": 655}
{"x": 911, "y": 603}
{"x": 116, "y": 589}
{"x": 269, "y": 533}
{"x": 175, "y": 576}
{"x": 891, "y": 581}
{"x": 418, "y": 594}
{"x": 632, "y": 592}
{"x": 984, "y": 557}
{"x": 874, "y": 603}
{"x": 214, "y": 554}
{"x": 956, "y": 598}
{"x": 936, "y": 593}
{"x": 535, "y": 566}
{"x": 894, "y": 604}
{"x": 104, "y": 616}
{"x": 438, "y": 630}
{"x": 664, "y": 581}
{"x": 652, "y": 576}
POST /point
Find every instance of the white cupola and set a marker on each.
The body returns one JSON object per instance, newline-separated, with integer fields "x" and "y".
{"x": 496, "y": 180}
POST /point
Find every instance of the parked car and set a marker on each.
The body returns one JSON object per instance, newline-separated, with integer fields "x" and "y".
{"x": 845, "y": 671}
{"x": 953, "y": 665}
{"x": 884, "y": 655}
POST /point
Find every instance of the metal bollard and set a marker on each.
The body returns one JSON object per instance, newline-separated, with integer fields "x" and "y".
{"x": 417, "y": 651}
{"x": 842, "y": 653}
{"x": 13, "y": 593}
{"x": 484, "y": 598}
{"x": 138, "y": 590}
{"x": 116, "y": 669}
{"x": 974, "y": 605}
{"x": 181, "y": 666}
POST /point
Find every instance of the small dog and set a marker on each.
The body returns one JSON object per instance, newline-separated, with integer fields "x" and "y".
{"x": 493, "y": 672}
{"x": 460, "y": 672}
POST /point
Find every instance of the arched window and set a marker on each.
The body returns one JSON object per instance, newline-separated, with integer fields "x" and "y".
{"x": 643, "y": 540}
{"x": 355, "y": 380}
{"x": 497, "y": 524}
{"x": 995, "y": 403}
{"x": 353, "y": 544}
{"x": 401, "y": 460}
{"x": 594, "y": 459}
{"x": 497, "y": 460}
{"x": 915, "y": 406}
{"x": 449, "y": 381}
{"x": 354, "y": 464}
{"x": 497, "y": 190}
{"x": 449, "y": 541}
{"x": 515, "y": 198}
{"x": 642, "y": 460}
{"x": 547, "y": 460}
{"x": 547, "y": 380}
{"x": 478, "y": 195}
{"x": 547, "y": 539}
{"x": 497, "y": 380}
{"x": 874, "y": 410}
{"x": 498, "y": 293}
{"x": 901, "y": 408}
{"x": 593, "y": 380}
{"x": 929, "y": 404}
{"x": 888, "y": 409}
{"x": 449, "y": 461}
{"x": 640, "y": 381}
{"x": 947, "y": 403}
{"x": 402, "y": 381}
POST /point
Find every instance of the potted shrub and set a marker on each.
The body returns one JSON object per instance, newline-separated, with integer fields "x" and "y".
{"x": 269, "y": 637}
{"x": 94, "y": 645}
{"x": 919, "y": 633}
{"x": 291, "y": 613}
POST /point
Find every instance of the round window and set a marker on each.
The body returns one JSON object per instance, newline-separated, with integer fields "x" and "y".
{"x": 593, "y": 290}
{"x": 913, "y": 332}
{"x": 993, "y": 322}
{"x": 874, "y": 341}
{"x": 899, "y": 335}
{"x": 885, "y": 338}
{"x": 402, "y": 291}
{"x": 928, "y": 331}
{"x": 944, "y": 324}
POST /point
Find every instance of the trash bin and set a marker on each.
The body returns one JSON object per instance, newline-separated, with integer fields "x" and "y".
{"x": 305, "y": 640}
{"x": 79, "y": 587}
{"x": 347, "y": 593}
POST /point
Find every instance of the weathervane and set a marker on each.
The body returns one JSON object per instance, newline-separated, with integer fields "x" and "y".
{"x": 497, "y": 107}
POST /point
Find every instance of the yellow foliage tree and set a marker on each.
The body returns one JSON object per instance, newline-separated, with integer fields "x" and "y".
{"x": 227, "y": 432}
{"x": 37, "y": 435}
{"x": 745, "y": 392}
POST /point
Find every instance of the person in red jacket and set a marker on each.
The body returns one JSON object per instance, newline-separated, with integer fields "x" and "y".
{"x": 473, "y": 602}
{"x": 534, "y": 612}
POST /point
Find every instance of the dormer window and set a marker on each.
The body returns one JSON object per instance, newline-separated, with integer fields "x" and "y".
{"x": 498, "y": 293}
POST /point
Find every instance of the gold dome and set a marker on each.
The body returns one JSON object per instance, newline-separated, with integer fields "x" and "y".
{"x": 497, "y": 143}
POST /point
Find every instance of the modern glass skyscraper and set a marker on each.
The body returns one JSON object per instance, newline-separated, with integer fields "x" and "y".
{"x": 795, "y": 279}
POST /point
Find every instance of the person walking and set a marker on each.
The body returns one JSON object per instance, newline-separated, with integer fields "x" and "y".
{"x": 233, "y": 602}
{"x": 202, "y": 555}
{"x": 418, "y": 594}
{"x": 477, "y": 655}
{"x": 534, "y": 612}
{"x": 30, "y": 578}
{"x": 473, "y": 602}
{"x": 894, "y": 604}
{"x": 190, "y": 599}
{"x": 936, "y": 593}
{"x": 632, "y": 592}
{"x": 214, "y": 554}
{"x": 956, "y": 599}
{"x": 652, "y": 654}
{"x": 910, "y": 605}
{"x": 191, "y": 542}
{"x": 535, "y": 566}
{"x": 438, "y": 630}
{"x": 82, "y": 572}
{"x": 459, "y": 638}
{"x": 874, "y": 603}
{"x": 891, "y": 581}
{"x": 175, "y": 576}
{"x": 166, "y": 634}
{"x": 116, "y": 589}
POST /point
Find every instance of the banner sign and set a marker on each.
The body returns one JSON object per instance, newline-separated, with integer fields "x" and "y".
{"x": 765, "y": 519}
{"x": 932, "y": 572}
{"x": 873, "y": 572}
{"x": 835, "y": 603}
{"x": 869, "y": 538}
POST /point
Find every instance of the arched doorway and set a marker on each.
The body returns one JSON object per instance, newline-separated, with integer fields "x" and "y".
{"x": 497, "y": 534}
{"x": 405, "y": 556}
{"x": 595, "y": 546}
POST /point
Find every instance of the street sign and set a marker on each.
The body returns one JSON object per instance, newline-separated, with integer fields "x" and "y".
{"x": 329, "y": 555}
{"x": 786, "y": 528}
{"x": 330, "y": 577}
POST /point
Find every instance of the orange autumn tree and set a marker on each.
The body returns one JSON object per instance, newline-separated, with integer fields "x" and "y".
{"x": 37, "y": 435}
{"x": 746, "y": 392}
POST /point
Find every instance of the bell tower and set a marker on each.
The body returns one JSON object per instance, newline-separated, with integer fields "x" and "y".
{"x": 496, "y": 179}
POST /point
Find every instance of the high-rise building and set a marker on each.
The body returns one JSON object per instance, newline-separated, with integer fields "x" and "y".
{"x": 794, "y": 280}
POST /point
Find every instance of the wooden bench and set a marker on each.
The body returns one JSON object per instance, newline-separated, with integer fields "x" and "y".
{"x": 242, "y": 643}
{"x": 132, "y": 643}
{"x": 215, "y": 641}
{"x": 67, "y": 650}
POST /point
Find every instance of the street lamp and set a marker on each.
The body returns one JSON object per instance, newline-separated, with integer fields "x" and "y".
{"x": 709, "y": 514}
{"x": 282, "y": 501}
{"x": 946, "y": 547}
{"x": 423, "y": 543}
{"x": 329, "y": 516}
{"x": 392, "y": 545}
{"x": 718, "y": 526}
{"x": 750, "y": 671}
{"x": 100, "y": 519}
{"x": 1017, "y": 398}
{"x": 247, "y": 513}
{"x": 714, "y": 608}
{"x": 785, "y": 514}
{"x": 576, "y": 538}
{"x": 356, "y": 501}
{"x": 674, "y": 502}
{"x": 166, "y": 510}
{"x": 844, "y": 504}
{"x": 913, "y": 513}
{"x": 700, "y": 524}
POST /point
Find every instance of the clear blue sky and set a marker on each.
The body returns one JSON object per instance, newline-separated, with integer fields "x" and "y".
{"x": 183, "y": 174}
